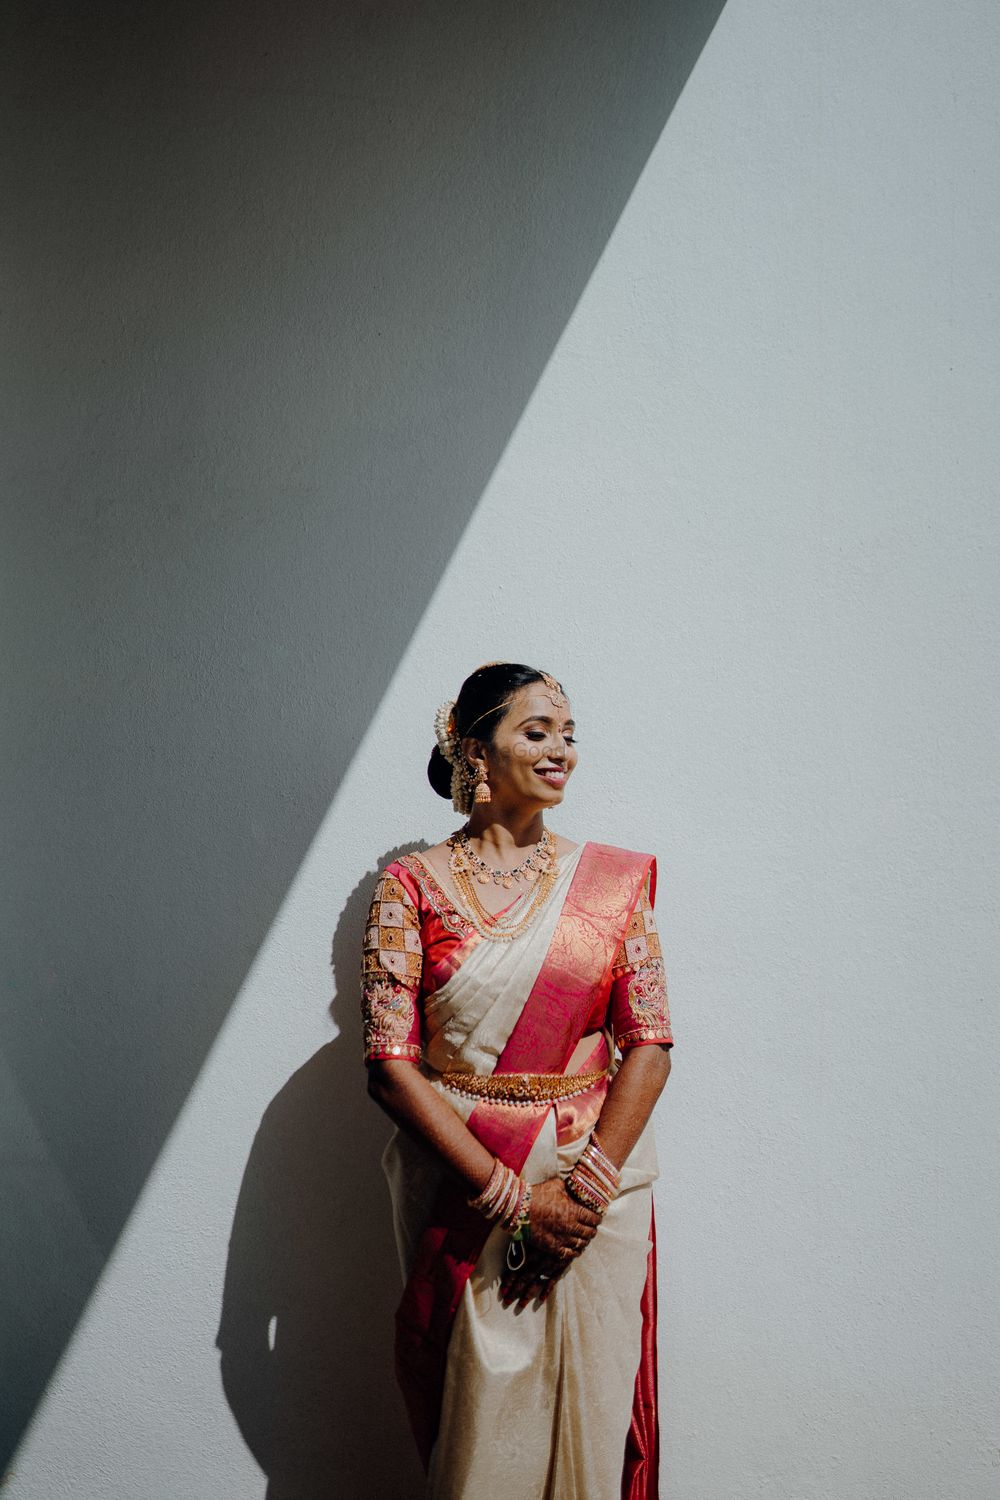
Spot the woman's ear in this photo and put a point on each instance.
(475, 752)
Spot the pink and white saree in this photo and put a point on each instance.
(558, 1400)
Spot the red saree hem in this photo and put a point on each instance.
(640, 1475)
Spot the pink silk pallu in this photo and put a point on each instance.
(577, 967)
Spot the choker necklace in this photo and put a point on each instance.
(529, 869)
(468, 871)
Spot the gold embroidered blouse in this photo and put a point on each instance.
(413, 931)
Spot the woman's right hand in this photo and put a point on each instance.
(561, 1229)
(560, 1226)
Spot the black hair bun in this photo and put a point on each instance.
(439, 773)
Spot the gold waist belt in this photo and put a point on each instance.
(521, 1088)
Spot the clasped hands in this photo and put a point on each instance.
(561, 1229)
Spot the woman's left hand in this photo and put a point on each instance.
(535, 1279)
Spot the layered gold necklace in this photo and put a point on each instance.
(468, 870)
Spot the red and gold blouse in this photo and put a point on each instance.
(412, 938)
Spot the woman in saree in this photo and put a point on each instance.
(517, 1032)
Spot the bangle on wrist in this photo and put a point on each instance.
(595, 1181)
(505, 1197)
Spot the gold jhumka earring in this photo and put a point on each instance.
(482, 792)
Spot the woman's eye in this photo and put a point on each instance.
(534, 734)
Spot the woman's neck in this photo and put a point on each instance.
(501, 837)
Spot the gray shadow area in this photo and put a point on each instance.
(312, 1278)
(279, 282)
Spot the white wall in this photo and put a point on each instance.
(748, 516)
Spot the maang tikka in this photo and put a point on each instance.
(555, 693)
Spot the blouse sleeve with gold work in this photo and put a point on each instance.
(639, 1010)
(391, 968)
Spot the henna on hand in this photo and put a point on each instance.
(561, 1229)
(558, 1222)
(534, 1280)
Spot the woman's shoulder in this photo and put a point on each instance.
(619, 851)
(415, 869)
(392, 868)
(412, 876)
(396, 879)
(419, 861)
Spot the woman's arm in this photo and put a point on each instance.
(631, 1096)
(407, 1098)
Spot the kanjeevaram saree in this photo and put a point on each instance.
(558, 1400)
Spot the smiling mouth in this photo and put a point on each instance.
(556, 778)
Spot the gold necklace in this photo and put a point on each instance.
(502, 927)
(538, 860)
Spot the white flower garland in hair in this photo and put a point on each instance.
(447, 743)
(444, 730)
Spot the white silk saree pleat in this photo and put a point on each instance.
(538, 1402)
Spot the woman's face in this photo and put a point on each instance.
(533, 751)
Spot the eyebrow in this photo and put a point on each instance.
(544, 719)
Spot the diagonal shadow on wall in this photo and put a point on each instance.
(306, 1331)
(283, 280)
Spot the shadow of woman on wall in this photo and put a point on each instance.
(312, 1279)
